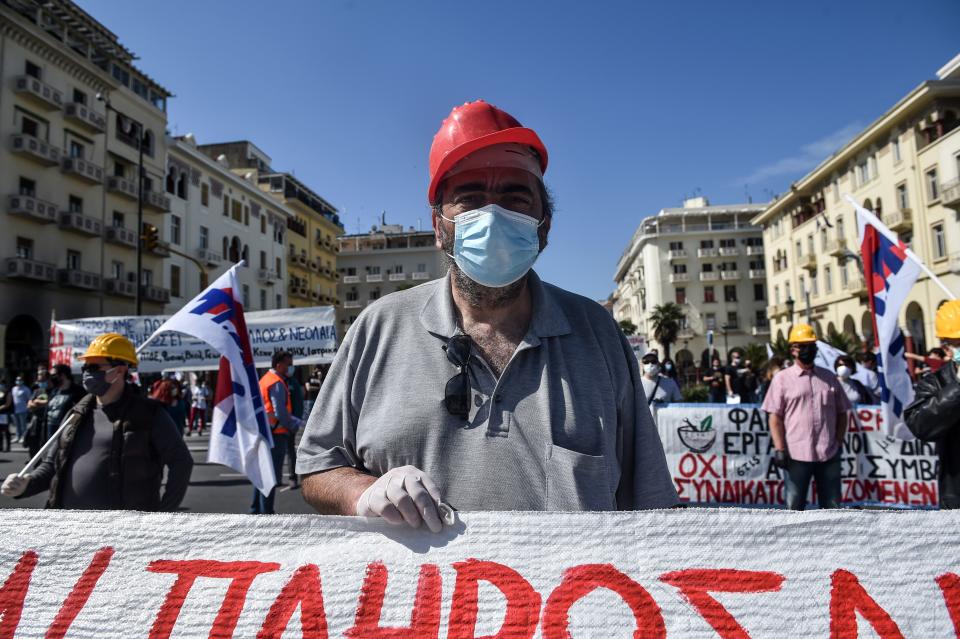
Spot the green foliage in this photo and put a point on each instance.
(849, 344)
(781, 348)
(757, 354)
(695, 393)
(628, 327)
(666, 320)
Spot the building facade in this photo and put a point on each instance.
(312, 228)
(707, 259)
(217, 218)
(385, 260)
(71, 100)
(906, 168)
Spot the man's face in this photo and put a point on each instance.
(951, 345)
(284, 365)
(115, 373)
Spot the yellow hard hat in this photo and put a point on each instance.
(948, 320)
(802, 334)
(112, 346)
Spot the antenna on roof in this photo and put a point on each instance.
(746, 191)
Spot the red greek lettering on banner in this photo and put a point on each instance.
(79, 595)
(303, 590)
(523, 602)
(13, 592)
(847, 598)
(950, 587)
(424, 620)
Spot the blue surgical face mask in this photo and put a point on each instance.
(956, 354)
(493, 246)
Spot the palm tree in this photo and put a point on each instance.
(757, 354)
(781, 347)
(628, 327)
(849, 344)
(666, 320)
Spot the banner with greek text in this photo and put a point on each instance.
(679, 573)
(722, 454)
(309, 333)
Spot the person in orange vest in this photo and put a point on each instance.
(283, 424)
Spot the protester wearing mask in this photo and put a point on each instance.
(112, 453)
(934, 414)
(488, 388)
(717, 384)
(199, 396)
(808, 418)
(63, 395)
(736, 382)
(275, 389)
(21, 395)
(855, 391)
(934, 360)
(867, 372)
(659, 389)
(36, 413)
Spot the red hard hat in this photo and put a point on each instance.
(471, 127)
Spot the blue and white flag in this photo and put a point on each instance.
(890, 270)
(239, 437)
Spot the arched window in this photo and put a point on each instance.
(226, 247)
(879, 209)
(182, 185)
(171, 180)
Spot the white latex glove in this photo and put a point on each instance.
(403, 495)
(14, 486)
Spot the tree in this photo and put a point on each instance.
(849, 344)
(628, 327)
(666, 320)
(757, 354)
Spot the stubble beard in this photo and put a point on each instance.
(475, 294)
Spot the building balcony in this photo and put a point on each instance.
(708, 252)
(678, 254)
(950, 194)
(35, 149)
(837, 247)
(760, 329)
(397, 277)
(120, 288)
(156, 294)
(27, 269)
(82, 169)
(80, 223)
(83, 280)
(351, 279)
(808, 262)
(730, 275)
(855, 286)
(710, 276)
(209, 257)
(156, 201)
(121, 236)
(300, 260)
(776, 310)
(685, 333)
(32, 208)
(266, 275)
(757, 273)
(900, 220)
(679, 277)
(420, 276)
(729, 251)
(84, 116)
(754, 250)
(353, 304)
(122, 186)
(39, 91)
(375, 277)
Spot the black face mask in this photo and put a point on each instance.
(806, 353)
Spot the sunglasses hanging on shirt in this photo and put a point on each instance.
(456, 396)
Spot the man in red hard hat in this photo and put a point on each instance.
(487, 389)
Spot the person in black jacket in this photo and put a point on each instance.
(934, 414)
(114, 446)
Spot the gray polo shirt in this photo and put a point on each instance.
(566, 427)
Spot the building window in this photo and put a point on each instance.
(175, 229)
(811, 249)
(75, 204)
(786, 290)
(708, 295)
(263, 300)
(823, 239)
(246, 216)
(31, 69)
(263, 260)
(844, 275)
(118, 219)
(839, 224)
(676, 246)
(237, 211)
(730, 293)
(939, 242)
(30, 124)
(246, 296)
(799, 246)
(682, 268)
(76, 150)
(728, 243)
(279, 300)
(732, 320)
(174, 280)
(25, 248)
(116, 270)
(681, 294)
(827, 280)
(204, 237)
(776, 294)
(933, 187)
(28, 187)
(374, 270)
(205, 194)
(421, 268)
(705, 268)
(710, 321)
(760, 319)
(226, 206)
(146, 278)
(73, 260)
(705, 244)
(277, 267)
(895, 145)
(263, 224)
(375, 294)
(759, 293)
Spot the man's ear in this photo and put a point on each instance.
(544, 231)
(436, 222)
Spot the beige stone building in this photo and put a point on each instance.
(709, 260)
(68, 175)
(905, 167)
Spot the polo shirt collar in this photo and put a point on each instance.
(439, 316)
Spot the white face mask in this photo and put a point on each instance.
(843, 372)
(651, 369)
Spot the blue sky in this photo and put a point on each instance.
(639, 103)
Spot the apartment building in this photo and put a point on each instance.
(905, 167)
(312, 228)
(217, 218)
(709, 260)
(382, 261)
(71, 106)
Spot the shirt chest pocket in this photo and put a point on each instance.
(828, 399)
(575, 481)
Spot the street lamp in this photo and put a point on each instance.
(140, 179)
(790, 305)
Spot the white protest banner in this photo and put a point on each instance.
(309, 333)
(722, 454)
(677, 573)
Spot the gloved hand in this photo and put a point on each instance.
(14, 485)
(781, 459)
(404, 494)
